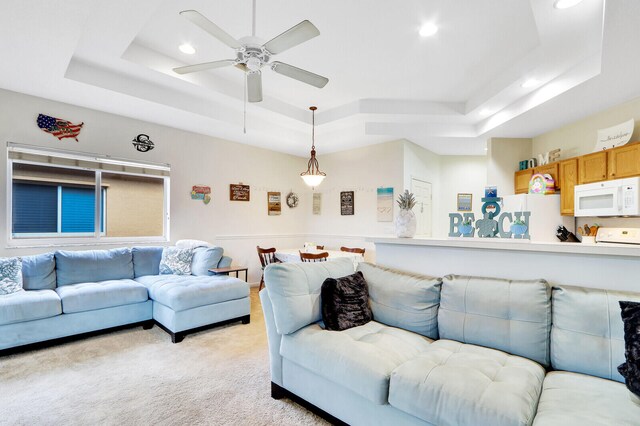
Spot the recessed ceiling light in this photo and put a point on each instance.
(530, 83)
(565, 4)
(428, 29)
(186, 48)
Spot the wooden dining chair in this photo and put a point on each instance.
(357, 250)
(267, 257)
(311, 257)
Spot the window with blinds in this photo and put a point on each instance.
(56, 194)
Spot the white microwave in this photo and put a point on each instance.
(609, 198)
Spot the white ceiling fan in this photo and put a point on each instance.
(252, 54)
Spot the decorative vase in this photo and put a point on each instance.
(466, 229)
(406, 224)
(518, 229)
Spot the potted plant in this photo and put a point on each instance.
(518, 227)
(466, 228)
(406, 220)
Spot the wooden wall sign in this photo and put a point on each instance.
(346, 203)
(239, 192)
(201, 192)
(274, 203)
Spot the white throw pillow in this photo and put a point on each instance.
(192, 244)
(10, 275)
(176, 261)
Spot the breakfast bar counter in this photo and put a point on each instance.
(604, 265)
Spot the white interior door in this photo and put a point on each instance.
(423, 209)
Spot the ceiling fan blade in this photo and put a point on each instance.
(204, 66)
(299, 74)
(198, 19)
(295, 35)
(254, 86)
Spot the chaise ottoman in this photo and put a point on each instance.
(188, 303)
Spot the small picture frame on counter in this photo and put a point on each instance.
(465, 202)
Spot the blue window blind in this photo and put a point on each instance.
(34, 208)
(78, 207)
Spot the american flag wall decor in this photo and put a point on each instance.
(59, 128)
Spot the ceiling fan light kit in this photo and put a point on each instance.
(252, 55)
(313, 176)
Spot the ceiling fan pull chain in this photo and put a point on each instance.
(253, 23)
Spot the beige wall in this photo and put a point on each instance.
(460, 174)
(504, 156)
(195, 159)
(361, 170)
(580, 137)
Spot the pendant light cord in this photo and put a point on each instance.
(253, 24)
(313, 129)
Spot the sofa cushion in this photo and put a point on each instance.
(99, 295)
(74, 267)
(588, 319)
(512, 316)
(205, 258)
(402, 299)
(571, 399)
(182, 292)
(10, 275)
(456, 384)
(176, 261)
(146, 260)
(294, 289)
(29, 305)
(360, 358)
(345, 302)
(39, 272)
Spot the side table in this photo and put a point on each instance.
(231, 269)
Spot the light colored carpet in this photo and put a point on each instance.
(137, 377)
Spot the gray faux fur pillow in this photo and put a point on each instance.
(345, 302)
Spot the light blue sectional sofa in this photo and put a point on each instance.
(449, 351)
(70, 293)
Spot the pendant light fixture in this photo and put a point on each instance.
(313, 176)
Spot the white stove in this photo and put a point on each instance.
(618, 235)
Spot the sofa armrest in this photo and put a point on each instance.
(225, 262)
(273, 338)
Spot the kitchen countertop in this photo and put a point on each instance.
(601, 249)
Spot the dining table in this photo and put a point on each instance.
(293, 255)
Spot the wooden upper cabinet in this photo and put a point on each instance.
(521, 181)
(624, 161)
(568, 180)
(550, 169)
(592, 167)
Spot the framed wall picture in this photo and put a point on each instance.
(346, 203)
(465, 202)
(274, 203)
(385, 204)
(317, 203)
(239, 192)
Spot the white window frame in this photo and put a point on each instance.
(97, 237)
